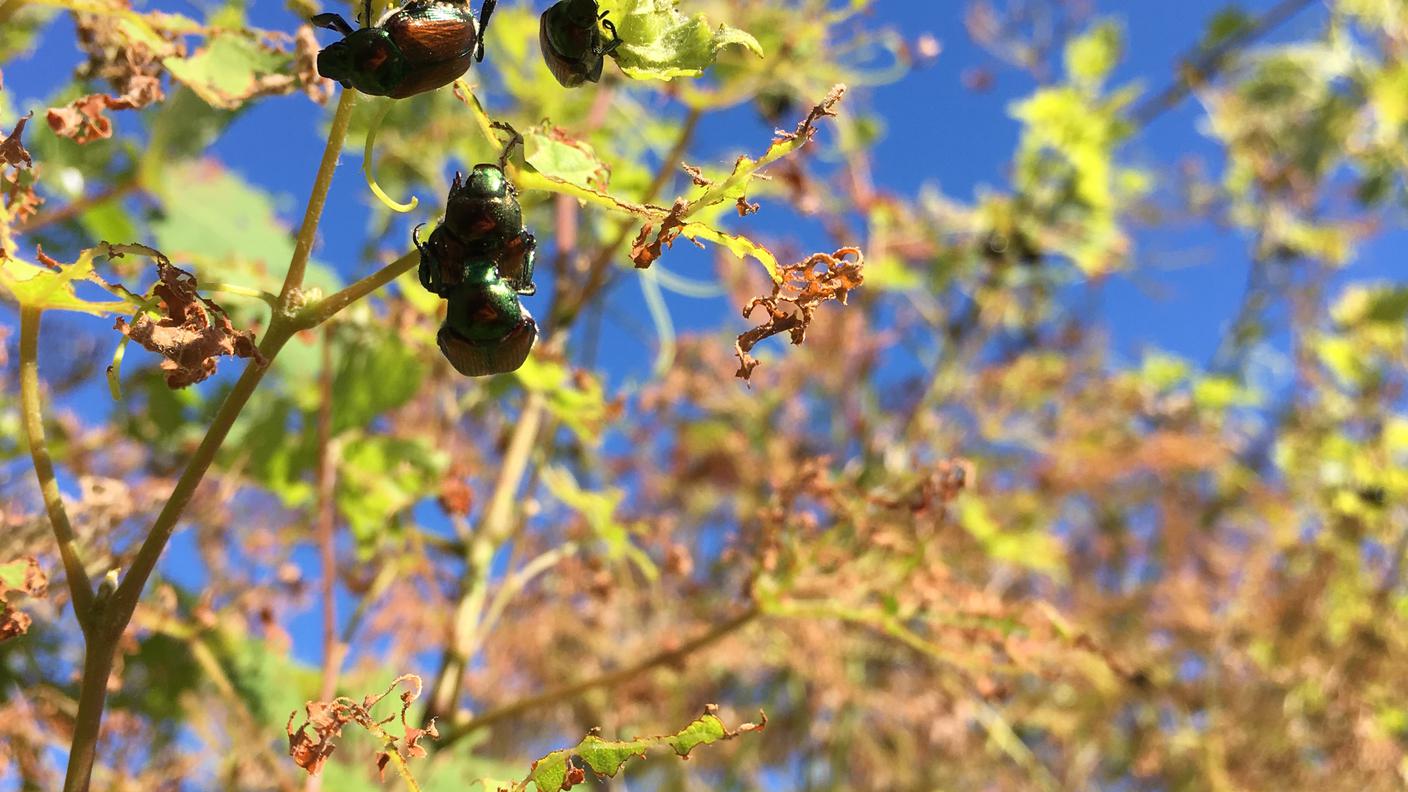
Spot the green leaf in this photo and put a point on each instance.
(33, 286)
(375, 373)
(555, 153)
(660, 43)
(1090, 57)
(231, 69)
(606, 757)
(599, 511)
(579, 403)
(378, 478)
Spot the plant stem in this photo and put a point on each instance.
(571, 690)
(78, 206)
(87, 724)
(308, 231)
(495, 528)
(1198, 68)
(598, 268)
(80, 588)
(328, 307)
(326, 523)
(110, 620)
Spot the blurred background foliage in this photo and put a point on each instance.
(958, 539)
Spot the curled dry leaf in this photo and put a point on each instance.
(133, 68)
(23, 577)
(794, 300)
(807, 128)
(82, 120)
(311, 743)
(644, 250)
(12, 151)
(305, 66)
(192, 331)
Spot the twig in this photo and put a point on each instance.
(598, 268)
(111, 615)
(77, 206)
(1199, 67)
(495, 528)
(327, 482)
(574, 689)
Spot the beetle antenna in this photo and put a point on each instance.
(485, 11)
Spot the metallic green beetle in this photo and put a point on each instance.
(480, 259)
(418, 47)
(572, 44)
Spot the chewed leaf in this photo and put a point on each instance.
(21, 577)
(51, 288)
(660, 43)
(561, 770)
(191, 332)
(232, 69)
(556, 154)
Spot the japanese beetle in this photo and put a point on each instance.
(486, 329)
(480, 259)
(482, 219)
(573, 47)
(418, 47)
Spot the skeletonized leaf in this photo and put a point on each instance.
(51, 288)
(564, 769)
(660, 43)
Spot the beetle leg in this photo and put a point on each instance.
(523, 284)
(485, 11)
(332, 22)
(429, 275)
(615, 37)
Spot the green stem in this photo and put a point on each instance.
(80, 588)
(495, 529)
(308, 231)
(328, 307)
(124, 600)
(109, 621)
(83, 749)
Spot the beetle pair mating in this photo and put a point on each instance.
(427, 44)
(480, 259)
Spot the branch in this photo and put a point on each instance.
(80, 588)
(574, 689)
(328, 307)
(1198, 68)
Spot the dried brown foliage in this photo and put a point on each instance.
(192, 331)
(791, 307)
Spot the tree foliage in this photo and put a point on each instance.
(952, 536)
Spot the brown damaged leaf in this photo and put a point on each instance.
(794, 300)
(807, 128)
(305, 66)
(311, 743)
(25, 578)
(82, 120)
(132, 68)
(12, 151)
(192, 331)
(645, 251)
